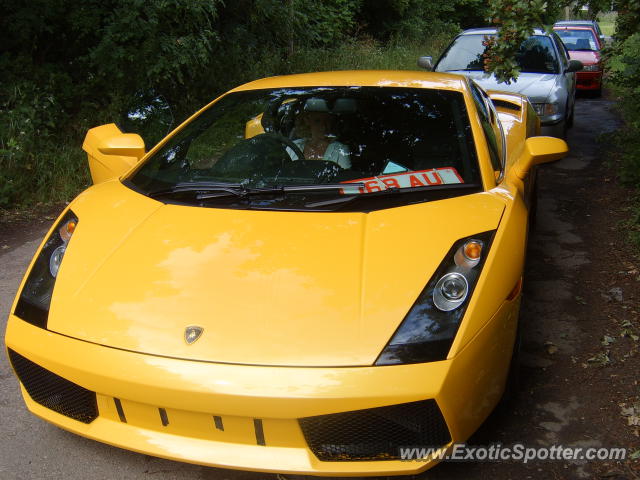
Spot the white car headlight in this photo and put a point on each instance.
(546, 109)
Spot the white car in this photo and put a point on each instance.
(547, 74)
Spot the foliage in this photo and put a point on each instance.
(70, 64)
(329, 22)
(623, 64)
(412, 19)
(628, 18)
(624, 75)
(516, 20)
(86, 49)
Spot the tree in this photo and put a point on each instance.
(516, 20)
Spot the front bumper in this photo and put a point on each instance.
(175, 408)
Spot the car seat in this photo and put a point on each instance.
(583, 44)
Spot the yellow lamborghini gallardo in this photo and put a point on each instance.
(308, 275)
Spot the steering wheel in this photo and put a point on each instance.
(286, 141)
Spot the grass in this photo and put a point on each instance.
(50, 172)
(607, 22)
(369, 55)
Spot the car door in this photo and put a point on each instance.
(568, 79)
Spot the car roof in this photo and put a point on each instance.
(373, 78)
(589, 23)
(575, 22)
(573, 27)
(492, 31)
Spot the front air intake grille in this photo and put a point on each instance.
(53, 391)
(375, 433)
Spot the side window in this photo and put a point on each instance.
(562, 52)
(598, 31)
(497, 129)
(490, 126)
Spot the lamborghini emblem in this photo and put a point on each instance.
(192, 333)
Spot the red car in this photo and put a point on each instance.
(583, 44)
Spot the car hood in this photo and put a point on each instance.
(536, 86)
(267, 287)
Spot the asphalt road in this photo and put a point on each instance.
(556, 404)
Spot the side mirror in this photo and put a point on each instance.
(426, 63)
(111, 152)
(539, 150)
(575, 66)
(124, 145)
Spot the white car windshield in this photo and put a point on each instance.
(536, 55)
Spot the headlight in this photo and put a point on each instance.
(428, 330)
(451, 290)
(546, 109)
(591, 68)
(35, 298)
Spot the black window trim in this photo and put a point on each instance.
(484, 97)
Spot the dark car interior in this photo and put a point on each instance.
(401, 129)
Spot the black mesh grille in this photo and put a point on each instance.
(53, 391)
(375, 433)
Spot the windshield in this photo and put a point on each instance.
(536, 55)
(578, 23)
(578, 39)
(254, 149)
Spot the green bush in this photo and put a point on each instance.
(624, 76)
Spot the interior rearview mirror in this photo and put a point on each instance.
(426, 62)
(539, 150)
(110, 152)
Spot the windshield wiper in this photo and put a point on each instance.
(348, 198)
(207, 190)
(435, 190)
(282, 189)
(227, 188)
